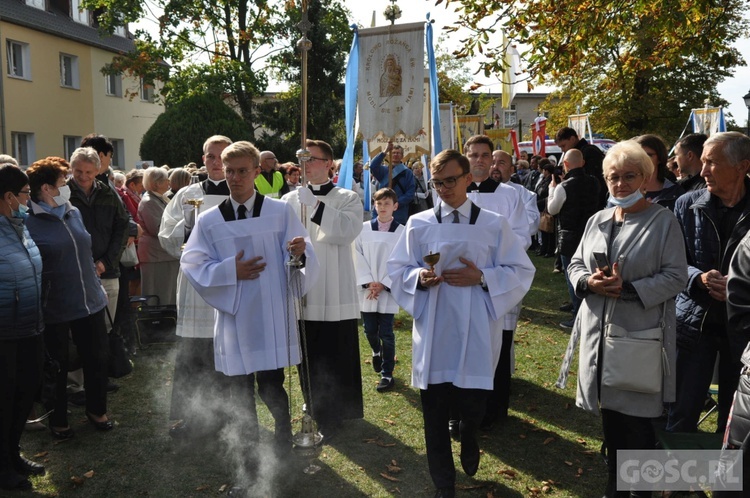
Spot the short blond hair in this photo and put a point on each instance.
(242, 149)
(628, 153)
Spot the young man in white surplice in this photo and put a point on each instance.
(458, 306)
(236, 259)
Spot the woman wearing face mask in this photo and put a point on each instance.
(628, 267)
(72, 295)
(21, 345)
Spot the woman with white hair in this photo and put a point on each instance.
(628, 268)
(158, 268)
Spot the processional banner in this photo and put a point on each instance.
(391, 80)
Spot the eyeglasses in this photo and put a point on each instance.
(241, 172)
(449, 182)
(627, 178)
(313, 158)
(25, 192)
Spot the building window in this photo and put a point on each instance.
(118, 154)
(23, 147)
(39, 4)
(69, 71)
(147, 91)
(510, 117)
(120, 31)
(114, 84)
(70, 144)
(544, 114)
(19, 59)
(78, 13)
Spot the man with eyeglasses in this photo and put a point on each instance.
(574, 201)
(194, 363)
(334, 219)
(458, 307)
(236, 259)
(270, 182)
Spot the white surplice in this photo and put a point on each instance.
(195, 318)
(334, 297)
(372, 249)
(256, 326)
(506, 201)
(457, 333)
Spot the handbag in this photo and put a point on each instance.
(634, 360)
(129, 256)
(546, 222)
(154, 323)
(119, 364)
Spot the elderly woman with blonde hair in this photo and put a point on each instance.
(628, 268)
(158, 268)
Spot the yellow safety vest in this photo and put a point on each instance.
(262, 185)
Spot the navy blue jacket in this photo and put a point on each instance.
(698, 218)
(70, 287)
(20, 282)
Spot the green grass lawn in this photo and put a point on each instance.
(548, 447)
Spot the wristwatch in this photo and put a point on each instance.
(481, 281)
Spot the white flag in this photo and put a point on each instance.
(391, 78)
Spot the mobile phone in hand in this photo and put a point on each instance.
(602, 263)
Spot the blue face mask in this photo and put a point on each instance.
(21, 211)
(627, 201)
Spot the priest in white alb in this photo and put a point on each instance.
(236, 258)
(482, 272)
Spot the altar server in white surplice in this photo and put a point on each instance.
(332, 306)
(458, 308)
(236, 259)
(199, 394)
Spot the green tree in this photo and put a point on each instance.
(213, 46)
(176, 137)
(642, 63)
(331, 39)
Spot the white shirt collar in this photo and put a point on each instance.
(464, 212)
(249, 204)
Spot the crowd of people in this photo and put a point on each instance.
(649, 246)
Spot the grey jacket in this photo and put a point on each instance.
(657, 269)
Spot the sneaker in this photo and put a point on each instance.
(567, 324)
(377, 363)
(566, 307)
(557, 270)
(385, 384)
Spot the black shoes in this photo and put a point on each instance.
(377, 363)
(26, 467)
(11, 480)
(62, 435)
(106, 425)
(112, 387)
(566, 307)
(469, 453)
(385, 384)
(568, 324)
(453, 430)
(447, 492)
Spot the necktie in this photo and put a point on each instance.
(455, 217)
(241, 212)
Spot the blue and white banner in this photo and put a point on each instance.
(391, 80)
(708, 120)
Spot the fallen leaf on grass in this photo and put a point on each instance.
(390, 478)
(223, 488)
(522, 436)
(203, 487)
(508, 473)
(569, 464)
(395, 490)
(385, 445)
(393, 469)
(41, 454)
(77, 481)
(394, 462)
(389, 421)
(89, 474)
(579, 472)
(548, 441)
(470, 486)
(581, 440)
(549, 482)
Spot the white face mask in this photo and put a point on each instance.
(63, 197)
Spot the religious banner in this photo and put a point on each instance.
(539, 136)
(501, 138)
(708, 120)
(447, 130)
(391, 80)
(514, 142)
(468, 126)
(580, 123)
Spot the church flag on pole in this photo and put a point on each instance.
(581, 124)
(514, 140)
(539, 136)
(708, 120)
(391, 80)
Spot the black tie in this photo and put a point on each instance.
(241, 212)
(455, 217)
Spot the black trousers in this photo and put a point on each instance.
(625, 432)
(498, 399)
(332, 353)
(21, 363)
(271, 391)
(437, 401)
(90, 337)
